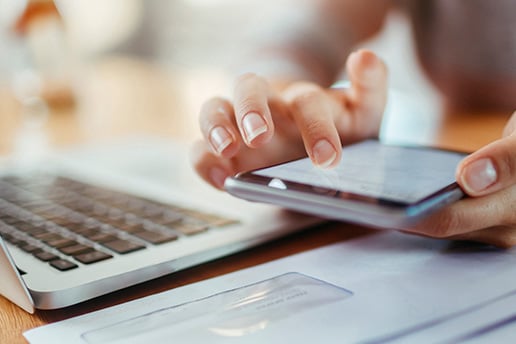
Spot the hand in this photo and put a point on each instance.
(264, 124)
(489, 215)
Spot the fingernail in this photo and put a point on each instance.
(369, 59)
(218, 177)
(220, 139)
(370, 66)
(479, 175)
(365, 63)
(254, 125)
(323, 153)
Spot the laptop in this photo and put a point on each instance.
(85, 222)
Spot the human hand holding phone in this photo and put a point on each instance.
(380, 185)
(296, 117)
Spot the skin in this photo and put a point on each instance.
(273, 118)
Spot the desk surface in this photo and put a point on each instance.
(122, 97)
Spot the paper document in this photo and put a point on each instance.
(380, 288)
(236, 313)
(489, 322)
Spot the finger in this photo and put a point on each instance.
(489, 169)
(469, 215)
(211, 168)
(500, 236)
(314, 111)
(252, 112)
(368, 92)
(218, 127)
(510, 127)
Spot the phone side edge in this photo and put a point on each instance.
(374, 215)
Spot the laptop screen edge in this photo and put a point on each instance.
(12, 287)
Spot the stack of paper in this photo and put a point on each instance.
(380, 288)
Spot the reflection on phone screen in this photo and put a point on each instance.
(396, 173)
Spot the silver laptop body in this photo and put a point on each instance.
(152, 170)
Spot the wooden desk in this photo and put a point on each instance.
(127, 97)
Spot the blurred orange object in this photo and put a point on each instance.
(42, 27)
(36, 10)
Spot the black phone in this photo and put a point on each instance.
(376, 184)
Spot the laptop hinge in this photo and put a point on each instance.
(12, 287)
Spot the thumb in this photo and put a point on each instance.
(510, 127)
(489, 169)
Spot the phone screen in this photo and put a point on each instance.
(369, 168)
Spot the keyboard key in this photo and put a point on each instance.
(45, 256)
(167, 218)
(84, 231)
(29, 248)
(10, 220)
(190, 228)
(131, 227)
(76, 249)
(92, 257)
(16, 241)
(101, 237)
(48, 236)
(155, 237)
(123, 246)
(30, 229)
(213, 220)
(6, 236)
(63, 265)
(60, 243)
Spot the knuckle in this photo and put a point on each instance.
(306, 98)
(214, 109)
(506, 208)
(503, 155)
(445, 226)
(245, 78)
(441, 232)
(508, 162)
(302, 93)
(509, 240)
(248, 104)
(499, 236)
(314, 127)
(214, 103)
(505, 241)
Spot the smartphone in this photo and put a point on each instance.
(375, 184)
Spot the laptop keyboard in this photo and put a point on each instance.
(67, 223)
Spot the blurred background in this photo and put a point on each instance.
(164, 56)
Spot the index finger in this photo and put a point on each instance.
(252, 112)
